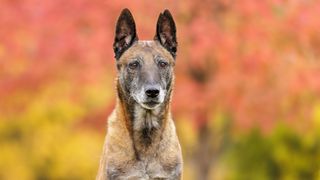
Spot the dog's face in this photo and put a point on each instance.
(145, 68)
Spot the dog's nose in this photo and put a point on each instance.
(152, 92)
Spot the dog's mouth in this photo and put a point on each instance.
(150, 104)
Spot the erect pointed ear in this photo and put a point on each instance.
(125, 34)
(166, 32)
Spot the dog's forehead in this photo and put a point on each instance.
(146, 43)
(147, 50)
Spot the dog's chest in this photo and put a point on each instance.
(151, 159)
(146, 132)
(147, 169)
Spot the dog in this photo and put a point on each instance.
(141, 140)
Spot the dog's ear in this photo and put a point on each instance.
(125, 34)
(166, 32)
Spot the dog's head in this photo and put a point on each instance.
(145, 68)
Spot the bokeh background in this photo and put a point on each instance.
(246, 101)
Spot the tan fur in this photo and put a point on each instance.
(144, 49)
(162, 159)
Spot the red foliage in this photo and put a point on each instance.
(249, 59)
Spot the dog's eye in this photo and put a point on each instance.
(163, 64)
(133, 65)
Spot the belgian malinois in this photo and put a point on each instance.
(141, 140)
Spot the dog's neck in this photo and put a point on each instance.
(148, 119)
(145, 126)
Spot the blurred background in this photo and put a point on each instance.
(246, 100)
